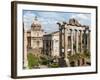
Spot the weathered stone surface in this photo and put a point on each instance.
(74, 22)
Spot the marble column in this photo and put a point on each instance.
(61, 29)
(84, 39)
(81, 37)
(66, 42)
(88, 40)
(60, 41)
(66, 46)
(77, 41)
(71, 42)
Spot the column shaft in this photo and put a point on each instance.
(88, 40)
(65, 42)
(71, 42)
(66, 46)
(60, 41)
(81, 37)
(77, 41)
(84, 38)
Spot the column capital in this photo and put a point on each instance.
(71, 29)
(76, 30)
(84, 30)
(89, 30)
(81, 31)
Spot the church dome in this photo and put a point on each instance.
(36, 24)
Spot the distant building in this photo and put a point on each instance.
(51, 44)
(35, 38)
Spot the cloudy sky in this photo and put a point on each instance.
(49, 19)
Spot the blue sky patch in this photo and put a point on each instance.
(49, 19)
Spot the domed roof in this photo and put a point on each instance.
(36, 24)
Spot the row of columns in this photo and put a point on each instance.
(82, 36)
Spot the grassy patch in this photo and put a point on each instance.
(32, 61)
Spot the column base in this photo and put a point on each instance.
(67, 62)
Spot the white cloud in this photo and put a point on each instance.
(49, 25)
(81, 16)
(28, 18)
(49, 19)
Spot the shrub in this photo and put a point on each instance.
(45, 60)
(32, 61)
(87, 54)
(72, 63)
(54, 65)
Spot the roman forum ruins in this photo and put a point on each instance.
(72, 38)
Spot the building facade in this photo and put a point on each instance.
(35, 38)
(51, 44)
